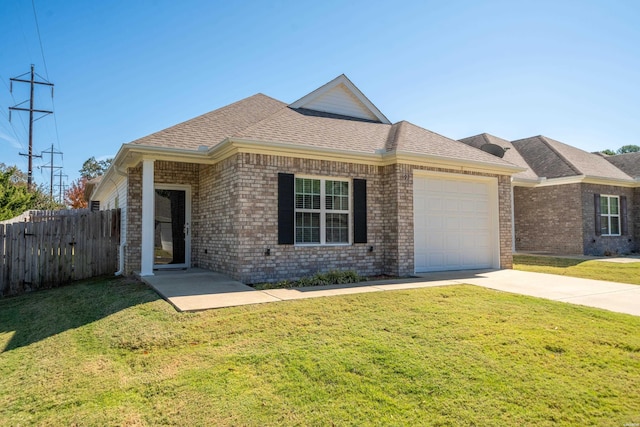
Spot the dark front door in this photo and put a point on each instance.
(171, 228)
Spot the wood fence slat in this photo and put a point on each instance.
(3, 263)
(66, 249)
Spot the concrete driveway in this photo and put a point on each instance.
(619, 297)
(198, 289)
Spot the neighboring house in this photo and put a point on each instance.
(262, 190)
(569, 201)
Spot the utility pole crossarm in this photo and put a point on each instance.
(29, 81)
(34, 110)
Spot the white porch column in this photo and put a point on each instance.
(148, 214)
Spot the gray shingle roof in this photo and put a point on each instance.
(212, 128)
(414, 139)
(262, 118)
(322, 130)
(629, 163)
(553, 159)
(511, 155)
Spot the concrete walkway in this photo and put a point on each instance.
(197, 289)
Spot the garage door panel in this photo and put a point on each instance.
(454, 224)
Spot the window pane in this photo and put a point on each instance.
(604, 227)
(337, 195)
(604, 205)
(307, 227)
(613, 205)
(307, 193)
(337, 228)
(615, 225)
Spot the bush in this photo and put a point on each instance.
(333, 277)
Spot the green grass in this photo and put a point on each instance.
(599, 270)
(109, 352)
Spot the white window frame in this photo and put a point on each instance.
(323, 211)
(609, 216)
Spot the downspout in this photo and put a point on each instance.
(123, 242)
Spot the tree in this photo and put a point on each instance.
(92, 168)
(608, 152)
(74, 195)
(628, 149)
(15, 197)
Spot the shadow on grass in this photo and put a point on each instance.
(546, 261)
(41, 314)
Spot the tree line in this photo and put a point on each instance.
(16, 198)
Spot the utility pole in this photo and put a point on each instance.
(61, 187)
(52, 167)
(31, 110)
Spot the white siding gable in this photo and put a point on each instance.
(340, 100)
(340, 96)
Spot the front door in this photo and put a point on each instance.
(171, 227)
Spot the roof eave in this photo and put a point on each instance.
(462, 164)
(588, 179)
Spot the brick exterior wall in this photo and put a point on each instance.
(257, 196)
(134, 221)
(548, 219)
(560, 219)
(635, 215)
(607, 245)
(234, 218)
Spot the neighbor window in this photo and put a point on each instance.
(322, 211)
(610, 215)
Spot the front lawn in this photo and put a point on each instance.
(110, 352)
(598, 270)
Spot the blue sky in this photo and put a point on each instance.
(569, 70)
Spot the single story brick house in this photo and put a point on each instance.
(262, 190)
(569, 201)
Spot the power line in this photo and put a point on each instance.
(46, 71)
(35, 17)
(24, 126)
(61, 188)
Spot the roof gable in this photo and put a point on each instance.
(553, 159)
(340, 96)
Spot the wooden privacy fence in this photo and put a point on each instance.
(52, 248)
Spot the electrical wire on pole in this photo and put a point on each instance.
(52, 168)
(32, 82)
(61, 187)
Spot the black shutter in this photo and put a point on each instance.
(623, 216)
(286, 211)
(359, 211)
(596, 206)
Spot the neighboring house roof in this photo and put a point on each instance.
(552, 159)
(89, 185)
(511, 154)
(629, 163)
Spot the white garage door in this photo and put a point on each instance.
(455, 223)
